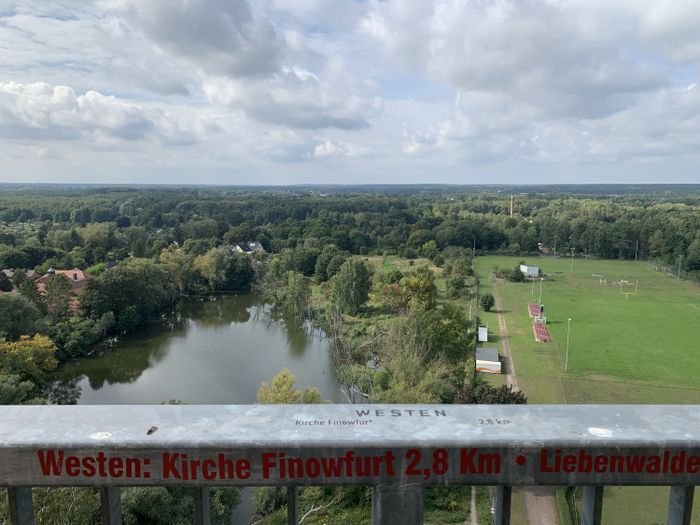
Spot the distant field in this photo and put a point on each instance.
(643, 349)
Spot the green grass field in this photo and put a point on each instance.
(643, 349)
(640, 349)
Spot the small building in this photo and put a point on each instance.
(483, 334)
(76, 277)
(487, 361)
(249, 247)
(530, 271)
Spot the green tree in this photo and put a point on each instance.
(58, 296)
(483, 393)
(692, 261)
(430, 249)
(174, 505)
(179, 265)
(351, 285)
(75, 336)
(323, 260)
(487, 302)
(96, 269)
(281, 391)
(420, 286)
(5, 283)
(296, 296)
(456, 285)
(29, 357)
(18, 316)
(15, 391)
(224, 270)
(133, 291)
(29, 290)
(18, 277)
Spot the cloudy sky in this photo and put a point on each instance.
(316, 91)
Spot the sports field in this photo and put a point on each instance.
(643, 348)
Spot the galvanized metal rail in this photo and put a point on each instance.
(396, 449)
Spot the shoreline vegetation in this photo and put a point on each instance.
(388, 278)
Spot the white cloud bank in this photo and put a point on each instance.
(388, 89)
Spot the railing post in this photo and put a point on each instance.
(202, 512)
(111, 506)
(291, 505)
(502, 510)
(397, 505)
(680, 505)
(21, 505)
(592, 505)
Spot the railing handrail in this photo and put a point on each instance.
(454, 444)
(396, 449)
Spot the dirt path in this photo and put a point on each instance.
(540, 501)
(472, 507)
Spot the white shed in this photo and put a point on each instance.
(530, 271)
(483, 334)
(487, 361)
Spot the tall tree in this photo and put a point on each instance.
(58, 297)
(18, 316)
(351, 285)
(179, 264)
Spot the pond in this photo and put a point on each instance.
(213, 350)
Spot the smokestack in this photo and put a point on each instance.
(511, 205)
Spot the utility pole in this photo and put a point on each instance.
(540, 299)
(572, 260)
(568, 334)
(636, 250)
(555, 245)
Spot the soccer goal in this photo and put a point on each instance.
(628, 288)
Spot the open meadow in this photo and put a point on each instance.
(641, 348)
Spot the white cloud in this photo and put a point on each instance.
(391, 87)
(39, 110)
(298, 98)
(566, 58)
(222, 37)
(330, 148)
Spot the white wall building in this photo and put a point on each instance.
(530, 271)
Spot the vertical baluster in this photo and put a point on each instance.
(502, 509)
(592, 505)
(680, 505)
(21, 506)
(111, 506)
(397, 505)
(202, 511)
(291, 505)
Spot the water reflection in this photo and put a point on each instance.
(211, 350)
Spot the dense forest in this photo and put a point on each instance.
(305, 250)
(41, 226)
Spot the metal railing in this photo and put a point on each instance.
(396, 449)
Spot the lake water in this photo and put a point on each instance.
(215, 350)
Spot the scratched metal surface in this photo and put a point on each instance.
(246, 431)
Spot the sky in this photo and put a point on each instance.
(350, 91)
